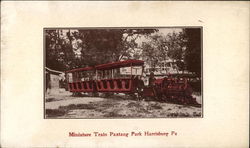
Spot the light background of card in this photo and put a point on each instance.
(225, 57)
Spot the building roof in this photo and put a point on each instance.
(53, 71)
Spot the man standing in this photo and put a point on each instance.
(151, 79)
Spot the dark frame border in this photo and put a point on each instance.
(154, 27)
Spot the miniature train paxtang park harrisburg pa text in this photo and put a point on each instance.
(121, 134)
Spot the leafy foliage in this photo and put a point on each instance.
(160, 48)
(90, 47)
(67, 49)
(193, 51)
(183, 47)
(59, 54)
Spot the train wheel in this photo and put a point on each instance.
(159, 96)
(139, 94)
(171, 99)
(77, 94)
(108, 95)
(96, 94)
(164, 98)
(180, 100)
(188, 100)
(132, 96)
(183, 99)
(93, 94)
(193, 101)
(168, 98)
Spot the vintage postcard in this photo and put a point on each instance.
(124, 74)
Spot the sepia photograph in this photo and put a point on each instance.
(102, 73)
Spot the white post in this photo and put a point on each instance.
(112, 74)
(131, 70)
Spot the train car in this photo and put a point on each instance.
(108, 78)
(81, 80)
(104, 78)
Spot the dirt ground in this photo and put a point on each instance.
(61, 104)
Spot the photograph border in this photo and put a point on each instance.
(147, 27)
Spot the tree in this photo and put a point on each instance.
(59, 54)
(53, 50)
(109, 45)
(176, 43)
(161, 47)
(88, 47)
(193, 51)
(154, 51)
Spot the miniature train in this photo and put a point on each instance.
(107, 78)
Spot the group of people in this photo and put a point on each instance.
(140, 80)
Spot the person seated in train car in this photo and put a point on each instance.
(80, 76)
(99, 75)
(91, 76)
(116, 74)
(102, 75)
(105, 74)
(83, 76)
(110, 74)
(95, 77)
